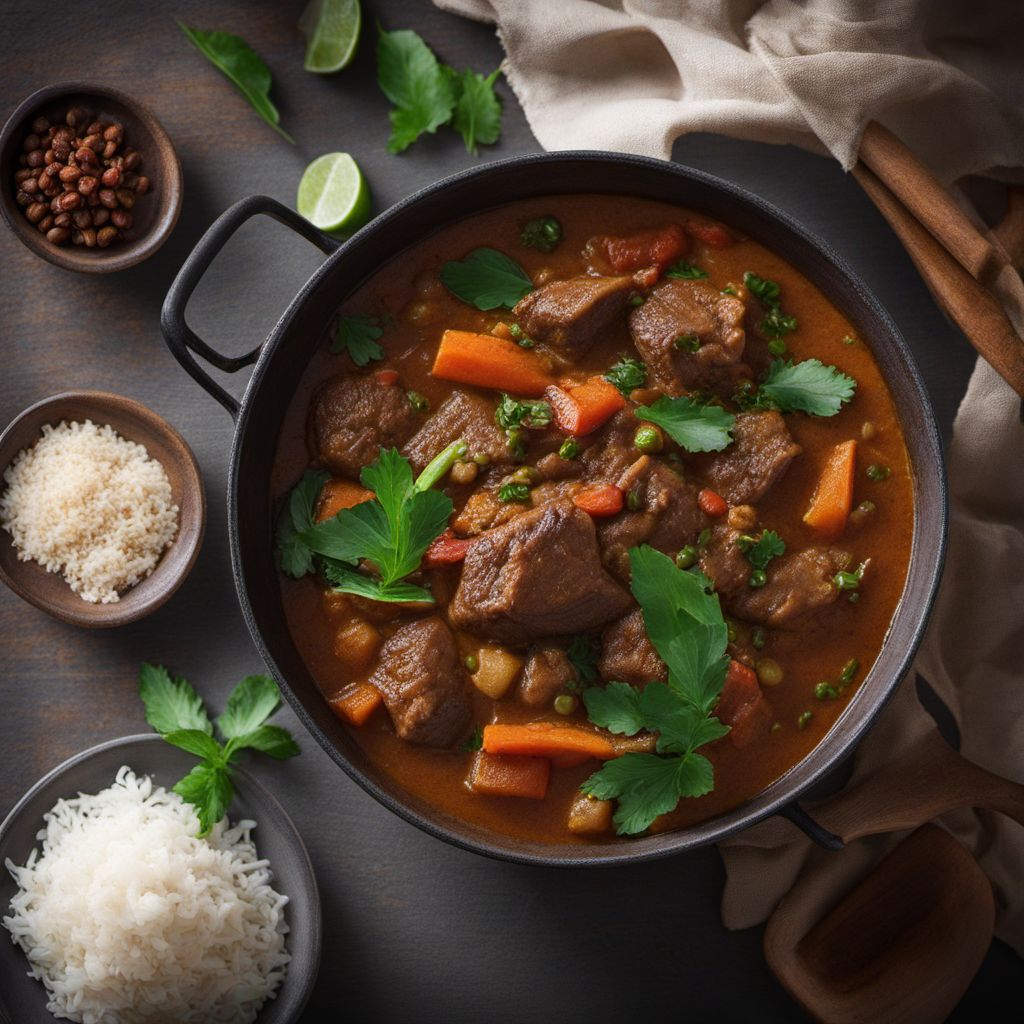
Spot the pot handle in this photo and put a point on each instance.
(183, 342)
(814, 831)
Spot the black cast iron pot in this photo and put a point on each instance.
(281, 359)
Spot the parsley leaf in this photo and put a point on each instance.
(411, 77)
(296, 516)
(176, 711)
(808, 386)
(521, 412)
(685, 624)
(357, 335)
(686, 271)
(477, 116)
(171, 704)
(583, 653)
(761, 551)
(627, 375)
(487, 279)
(474, 742)
(392, 531)
(776, 324)
(692, 425)
(236, 59)
(542, 233)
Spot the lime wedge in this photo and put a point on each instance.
(333, 194)
(331, 28)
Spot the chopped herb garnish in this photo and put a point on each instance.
(475, 741)
(878, 473)
(522, 412)
(636, 300)
(687, 343)
(777, 347)
(357, 335)
(542, 233)
(759, 551)
(775, 323)
(296, 516)
(569, 448)
(826, 691)
(808, 386)
(695, 427)
(175, 710)
(487, 279)
(849, 670)
(583, 653)
(803, 719)
(757, 638)
(514, 492)
(627, 375)
(519, 337)
(729, 290)
(685, 624)
(419, 402)
(686, 271)
(849, 339)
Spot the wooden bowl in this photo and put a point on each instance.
(133, 421)
(155, 214)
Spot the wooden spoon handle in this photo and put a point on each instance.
(933, 207)
(1009, 232)
(973, 307)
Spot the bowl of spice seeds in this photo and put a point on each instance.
(89, 179)
(102, 510)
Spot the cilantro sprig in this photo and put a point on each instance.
(522, 412)
(487, 279)
(686, 271)
(627, 375)
(176, 711)
(685, 624)
(759, 551)
(808, 386)
(357, 335)
(583, 653)
(691, 424)
(775, 324)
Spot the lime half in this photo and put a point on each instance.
(331, 28)
(333, 194)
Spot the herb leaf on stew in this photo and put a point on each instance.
(627, 375)
(176, 711)
(775, 324)
(357, 335)
(235, 58)
(686, 271)
(583, 653)
(521, 412)
(487, 279)
(477, 115)
(541, 233)
(685, 624)
(761, 551)
(296, 516)
(691, 424)
(808, 386)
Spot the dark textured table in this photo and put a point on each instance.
(414, 929)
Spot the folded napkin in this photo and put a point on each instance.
(633, 75)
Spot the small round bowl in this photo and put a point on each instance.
(134, 422)
(155, 214)
(24, 999)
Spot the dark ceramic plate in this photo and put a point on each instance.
(23, 1000)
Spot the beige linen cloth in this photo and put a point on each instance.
(948, 79)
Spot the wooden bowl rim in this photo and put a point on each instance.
(119, 613)
(170, 185)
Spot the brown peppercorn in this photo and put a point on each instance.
(100, 215)
(76, 238)
(93, 141)
(82, 219)
(58, 236)
(111, 177)
(35, 158)
(125, 197)
(61, 133)
(35, 212)
(89, 238)
(109, 149)
(95, 128)
(46, 223)
(108, 198)
(30, 185)
(22, 198)
(93, 199)
(31, 142)
(76, 117)
(40, 125)
(142, 185)
(105, 236)
(49, 157)
(85, 157)
(87, 184)
(113, 132)
(23, 175)
(132, 160)
(121, 219)
(70, 174)
(62, 220)
(68, 202)
(61, 150)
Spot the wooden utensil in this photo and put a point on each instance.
(901, 947)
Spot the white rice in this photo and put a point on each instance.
(125, 916)
(88, 503)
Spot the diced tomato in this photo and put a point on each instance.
(582, 409)
(715, 236)
(659, 248)
(600, 500)
(712, 504)
(742, 705)
(386, 376)
(446, 550)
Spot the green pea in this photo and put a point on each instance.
(566, 703)
(637, 300)
(730, 631)
(648, 439)
(570, 448)
(525, 475)
(777, 347)
(769, 672)
(878, 473)
(687, 557)
(482, 459)
(472, 662)
(825, 691)
(805, 717)
(758, 578)
(849, 670)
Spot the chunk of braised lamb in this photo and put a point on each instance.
(538, 575)
(612, 451)
(571, 314)
(424, 684)
(460, 416)
(760, 454)
(667, 517)
(553, 467)
(742, 706)
(690, 335)
(352, 418)
(627, 654)
(723, 561)
(546, 674)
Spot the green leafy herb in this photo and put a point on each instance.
(686, 271)
(775, 324)
(516, 412)
(487, 279)
(627, 375)
(583, 653)
(759, 552)
(514, 492)
(693, 426)
(685, 624)
(542, 233)
(687, 343)
(233, 56)
(419, 403)
(175, 710)
(569, 448)
(477, 116)
(296, 516)
(474, 742)
(808, 386)
(357, 335)
(392, 532)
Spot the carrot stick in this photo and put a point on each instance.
(582, 409)
(541, 739)
(356, 703)
(337, 494)
(833, 497)
(498, 775)
(600, 500)
(490, 362)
